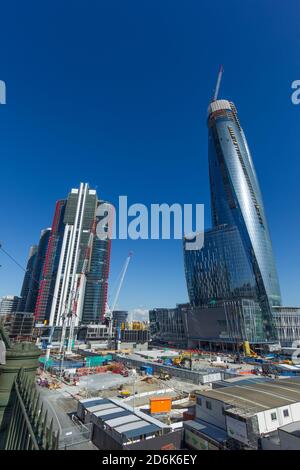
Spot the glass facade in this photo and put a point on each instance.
(48, 278)
(221, 270)
(287, 324)
(237, 260)
(75, 274)
(33, 277)
(166, 325)
(27, 281)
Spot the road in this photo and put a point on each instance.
(59, 406)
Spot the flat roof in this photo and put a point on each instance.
(90, 402)
(148, 429)
(107, 411)
(137, 428)
(257, 397)
(291, 428)
(101, 406)
(215, 433)
(240, 380)
(121, 420)
(114, 414)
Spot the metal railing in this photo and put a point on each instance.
(29, 427)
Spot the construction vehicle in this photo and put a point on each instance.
(183, 359)
(164, 376)
(248, 351)
(124, 394)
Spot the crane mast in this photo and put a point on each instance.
(109, 314)
(217, 89)
(71, 308)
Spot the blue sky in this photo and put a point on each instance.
(115, 94)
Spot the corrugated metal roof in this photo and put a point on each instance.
(115, 414)
(259, 396)
(121, 420)
(86, 400)
(136, 425)
(96, 408)
(112, 409)
(89, 403)
(149, 429)
(209, 430)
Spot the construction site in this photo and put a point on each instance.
(160, 384)
(108, 386)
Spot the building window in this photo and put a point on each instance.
(208, 405)
(273, 416)
(286, 413)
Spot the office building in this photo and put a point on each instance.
(167, 326)
(287, 324)
(75, 274)
(33, 275)
(49, 273)
(8, 304)
(237, 260)
(218, 325)
(27, 278)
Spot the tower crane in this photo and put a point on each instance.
(72, 305)
(109, 314)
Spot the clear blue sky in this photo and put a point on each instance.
(115, 93)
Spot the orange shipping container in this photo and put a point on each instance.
(160, 405)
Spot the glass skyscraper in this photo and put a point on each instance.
(76, 269)
(34, 273)
(237, 260)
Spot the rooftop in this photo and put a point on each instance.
(209, 430)
(292, 428)
(250, 399)
(121, 419)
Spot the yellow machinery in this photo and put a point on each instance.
(247, 350)
(124, 393)
(177, 360)
(133, 325)
(184, 356)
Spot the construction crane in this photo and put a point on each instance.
(109, 314)
(216, 93)
(70, 313)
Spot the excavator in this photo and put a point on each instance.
(183, 358)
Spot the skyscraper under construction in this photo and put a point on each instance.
(75, 274)
(237, 260)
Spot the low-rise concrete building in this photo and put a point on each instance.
(247, 413)
(285, 438)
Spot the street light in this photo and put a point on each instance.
(134, 375)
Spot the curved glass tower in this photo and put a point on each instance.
(237, 259)
(236, 197)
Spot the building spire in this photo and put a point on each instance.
(215, 97)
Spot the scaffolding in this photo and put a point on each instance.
(287, 324)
